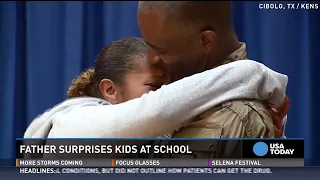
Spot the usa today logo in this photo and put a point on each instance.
(261, 149)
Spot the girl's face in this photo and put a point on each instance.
(144, 78)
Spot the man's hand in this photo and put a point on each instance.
(278, 116)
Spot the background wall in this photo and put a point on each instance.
(44, 45)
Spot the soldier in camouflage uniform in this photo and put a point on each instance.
(187, 37)
(232, 119)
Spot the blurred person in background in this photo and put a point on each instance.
(124, 96)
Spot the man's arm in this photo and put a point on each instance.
(233, 119)
(173, 105)
(254, 122)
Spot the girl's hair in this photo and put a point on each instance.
(82, 85)
(112, 63)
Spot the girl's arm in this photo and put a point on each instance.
(173, 105)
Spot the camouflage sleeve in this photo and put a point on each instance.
(250, 119)
(233, 119)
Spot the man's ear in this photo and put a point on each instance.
(208, 41)
(109, 91)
